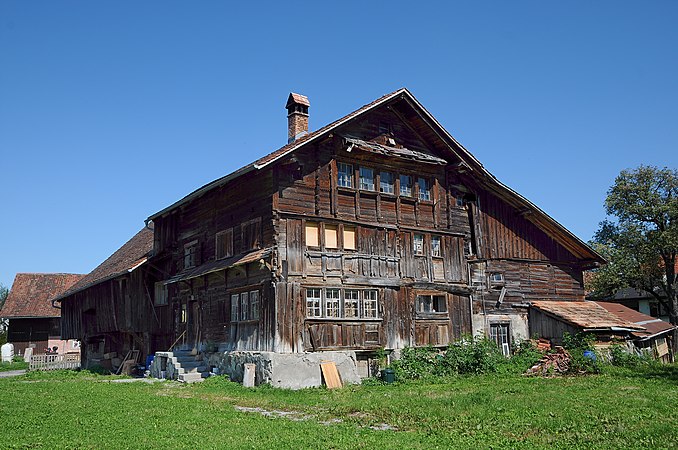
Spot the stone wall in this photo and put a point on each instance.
(286, 370)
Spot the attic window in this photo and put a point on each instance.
(191, 254)
(497, 278)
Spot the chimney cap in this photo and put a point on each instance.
(297, 99)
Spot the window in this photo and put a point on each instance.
(349, 238)
(499, 333)
(160, 294)
(332, 303)
(313, 302)
(424, 189)
(370, 304)
(224, 244)
(418, 244)
(496, 278)
(460, 200)
(345, 175)
(235, 299)
(191, 254)
(312, 234)
(244, 303)
(435, 246)
(351, 302)
(386, 182)
(183, 313)
(342, 303)
(251, 234)
(366, 179)
(331, 236)
(406, 185)
(245, 306)
(431, 304)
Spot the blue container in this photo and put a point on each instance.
(149, 360)
(590, 355)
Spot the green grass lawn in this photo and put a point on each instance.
(616, 409)
(16, 364)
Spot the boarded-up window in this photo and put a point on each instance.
(349, 238)
(160, 294)
(251, 234)
(224, 244)
(331, 236)
(312, 235)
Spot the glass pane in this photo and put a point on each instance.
(406, 185)
(386, 182)
(344, 175)
(350, 303)
(332, 303)
(366, 179)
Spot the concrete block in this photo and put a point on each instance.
(249, 375)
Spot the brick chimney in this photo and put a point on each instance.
(297, 116)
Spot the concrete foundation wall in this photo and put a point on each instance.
(286, 370)
(518, 324)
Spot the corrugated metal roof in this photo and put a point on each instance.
(652, 325)
(585, 314)
(31, 294)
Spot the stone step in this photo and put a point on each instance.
(193, 377)
(196, 369)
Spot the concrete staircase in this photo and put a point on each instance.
(188, 368)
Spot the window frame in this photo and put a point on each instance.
(496, 332)
(161, 295)
(418, 244)
(425, 193)
(219, 241)
(407, 190)
(321, 305)
(431, 308)
(365, 185)
(390, 185)
(345, 175)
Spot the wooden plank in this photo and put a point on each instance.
(330, 374)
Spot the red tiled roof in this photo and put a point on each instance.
(652, 325)
(297, 98)
(31, 294)
(587, 315)
(133, 253)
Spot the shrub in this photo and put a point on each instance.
(622, 358)
(583, 357)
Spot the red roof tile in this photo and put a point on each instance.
(31, 294)
(584, 314)
(133, 253)
(652, 325)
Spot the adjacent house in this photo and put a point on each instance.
(379, 230)
(33, 320)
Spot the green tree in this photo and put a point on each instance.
(640, 239)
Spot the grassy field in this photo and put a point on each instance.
(616, 409)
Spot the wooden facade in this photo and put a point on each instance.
(377, 231)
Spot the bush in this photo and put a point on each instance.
(621, 358)
(469, 356)
(583, 357)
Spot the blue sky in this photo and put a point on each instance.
(111, 111)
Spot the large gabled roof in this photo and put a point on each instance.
(31, 294)
(533, 213)
(127, 258)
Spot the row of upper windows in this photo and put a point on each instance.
(369, 179)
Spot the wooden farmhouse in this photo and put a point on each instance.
(33, 322)
(377, 231)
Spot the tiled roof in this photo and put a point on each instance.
(133, 253)
(221, 264)
(652, 325)
(588, 315)
(297, 98)
(31, 294)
